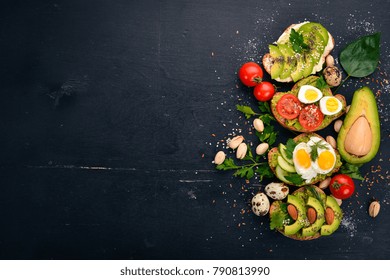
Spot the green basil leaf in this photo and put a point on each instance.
(360, 58)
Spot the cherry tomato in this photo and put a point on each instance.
(250, 74)
(342, 186)
(288, 106)
(311, 117)
(264, 91)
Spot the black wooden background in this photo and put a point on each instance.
(112, 111)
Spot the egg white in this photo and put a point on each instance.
(323, 108)
(306, 173)
(313, 140)
(302, 91)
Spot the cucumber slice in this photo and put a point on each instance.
(280, 173)
(282, 150)
(285, 165)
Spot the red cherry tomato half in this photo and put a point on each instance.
(250, 74)
(289, 106)
(311, 117)
(342, 186)
(264, 91)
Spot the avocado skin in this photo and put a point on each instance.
(363, 103)
(302, 218)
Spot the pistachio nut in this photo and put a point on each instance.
(338, 200)
(374, 208)
(337, 125)
(324, 184)
(241, 151)
(258, 125)
(219, 158)
(236, 141)
(262, 148)
(331, 141)
(329, 60)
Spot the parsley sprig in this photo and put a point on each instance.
(269, 135)
(351, 170)
(249, 169)
(297, 42)
(315, 147)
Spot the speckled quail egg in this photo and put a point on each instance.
(277, 191)
(308, 94)
(330, 105)
(260, 204)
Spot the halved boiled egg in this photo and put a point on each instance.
(308, 94)
(302, 162)
(326, 156)
(330, 105)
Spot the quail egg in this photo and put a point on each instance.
(260, 204)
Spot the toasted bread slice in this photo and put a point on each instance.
(268, 61)
(274, 206)
(275, 151)
(311, 80)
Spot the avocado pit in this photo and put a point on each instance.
(358, 140)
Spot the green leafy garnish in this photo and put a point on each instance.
(247, 111)
(264, 107)
(351, 170)
(316, 195)
(268, 135)
(280, 217)
(277, 220)
(264, 171)
(295, 179)
(290, 146)
(321, 83)
(267, 118)
(248, 170)
(314, 151)
(360, 58)
(297, 42)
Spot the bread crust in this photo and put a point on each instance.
(296, 237)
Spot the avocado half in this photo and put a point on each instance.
(359, 137)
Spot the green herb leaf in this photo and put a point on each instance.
(268, 135)
(321, 83)
(297, 42)
(246, 110)
(316, 195)
(290, 146)
(228, 164)
(264, 107)
(314, 149)
(360, 58)
(277, 220)
(264, 171)
(295, 179)
(245, 172)
(351, 170)
(267, 118)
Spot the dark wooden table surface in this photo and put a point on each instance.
(112, 111)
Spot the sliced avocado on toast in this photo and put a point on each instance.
(297, 65)
(302, 199)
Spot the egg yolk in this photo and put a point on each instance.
(332, 105)
(303, 158)
(326, 160)
(311, 94)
